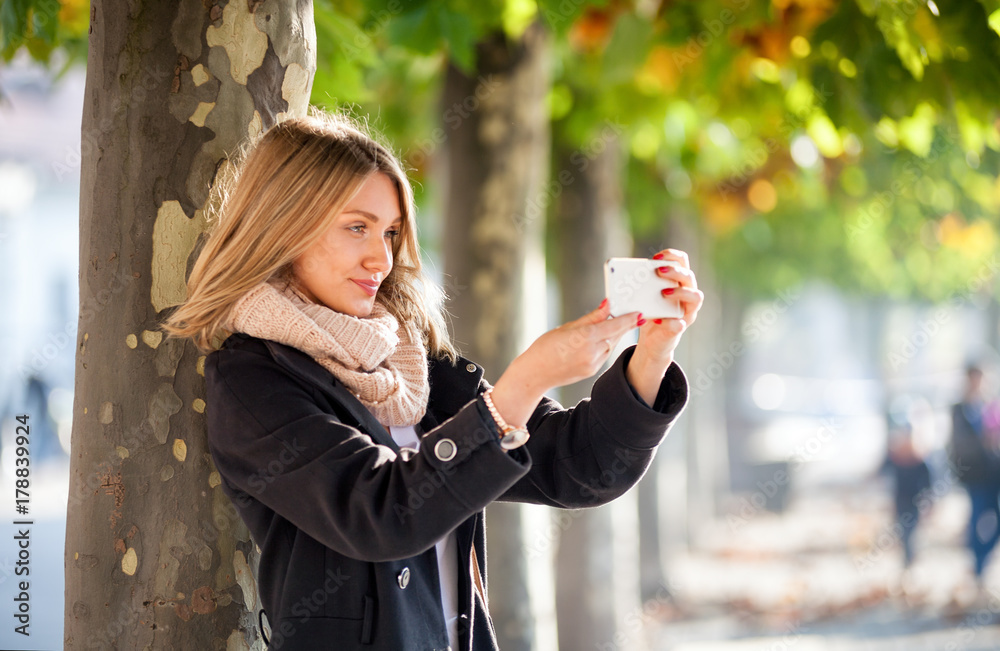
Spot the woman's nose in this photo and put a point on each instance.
(380, 255)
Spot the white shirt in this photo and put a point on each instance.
(446, 548)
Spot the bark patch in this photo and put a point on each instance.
(162, 405)
(240, 38)
(244, 577)
(203, 600)
(174, 238)
(130, 562)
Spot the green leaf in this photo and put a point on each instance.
(517, 16)
(13, 24)
(994, 21)
(427, 28)
(338, 35)
(339, 82)
(45, 20)
(627, 49)
(416, 29)
(460, 34)
(559, 15)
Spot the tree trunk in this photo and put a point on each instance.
(702, 355)
(497, 158)
(156, 555)
(661, 495)
(993, 324)
(596, 568)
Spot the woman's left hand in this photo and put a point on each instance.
(658, 338)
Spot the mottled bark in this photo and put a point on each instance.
(156, 555)
(596, 577)
(589, 227)
(993, 324)
(703, 425)
(653, 582)
(661, 493)
(497, 156)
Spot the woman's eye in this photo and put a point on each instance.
(357, 228)
(391, 234)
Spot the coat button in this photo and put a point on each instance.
(445, 450)
(404, 578)
(470, 367)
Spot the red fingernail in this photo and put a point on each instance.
(603, 303)
(663, 270)
(658, 256)
(657, 321)
(641, 320)
(668, 291)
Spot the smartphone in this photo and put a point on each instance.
(632, 285)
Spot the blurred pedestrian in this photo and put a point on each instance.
(975, 462)
(910, 477)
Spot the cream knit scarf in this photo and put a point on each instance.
(383, 364)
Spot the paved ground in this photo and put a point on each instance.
(44, 559)
(826, 575)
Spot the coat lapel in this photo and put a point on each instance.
(309, 369)
(451, 388)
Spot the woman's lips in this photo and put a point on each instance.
(370, 287)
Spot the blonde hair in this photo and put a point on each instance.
(290, 185)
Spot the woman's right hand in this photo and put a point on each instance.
(572, 352)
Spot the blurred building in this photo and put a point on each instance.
(40, 120)
(39, 208)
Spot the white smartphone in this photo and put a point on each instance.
(632, 285)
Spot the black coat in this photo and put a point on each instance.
(346, 523)
(972, 461)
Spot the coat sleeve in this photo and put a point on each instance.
(594, 452)
(277, 445)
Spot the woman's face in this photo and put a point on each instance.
(345, 267)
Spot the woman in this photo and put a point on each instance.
(359, 448)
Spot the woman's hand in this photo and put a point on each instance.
(572, 352)
(658, 338)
